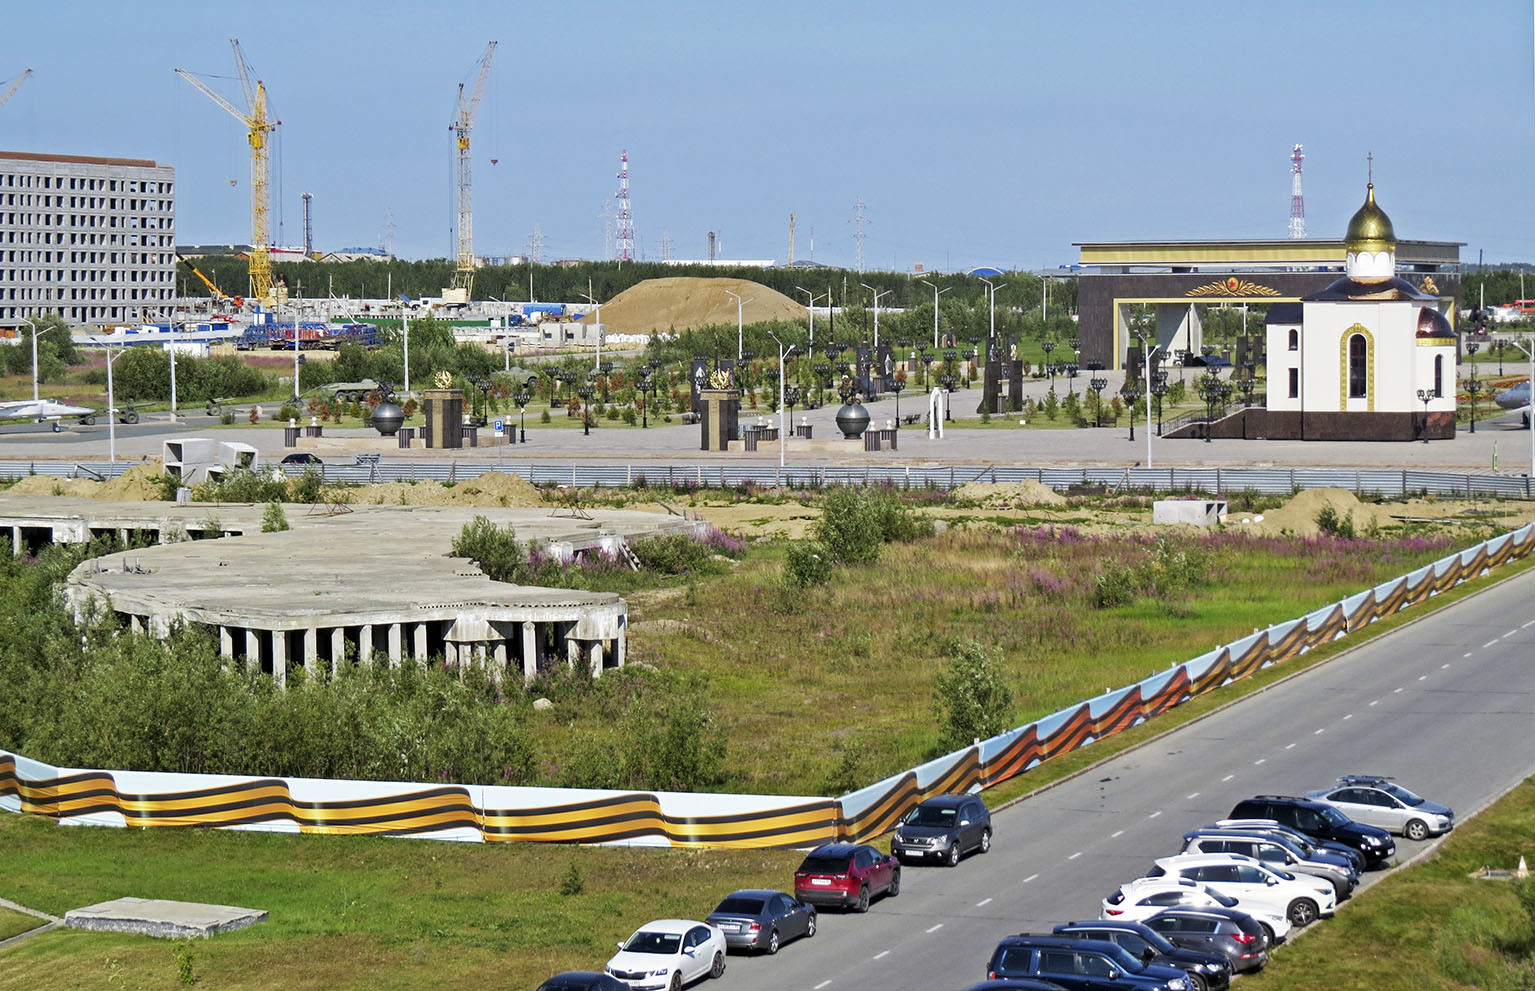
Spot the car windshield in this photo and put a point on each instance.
(1125, 958)
(824, 865)
(1225, 901)
(1392, 788)
(739, 906)
(1334, 817)
(649, 942)
(924, 815)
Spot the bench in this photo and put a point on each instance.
(911, 418)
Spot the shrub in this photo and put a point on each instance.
(808, 564)
(571, 882)
(1329, 522)
(274, 520)
(970, 697)
(496, 550)
(1113, 586)
(671, 554)
(850, 527)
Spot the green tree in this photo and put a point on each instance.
(970, 696)
(274, 520)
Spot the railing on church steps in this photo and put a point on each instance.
(1386, 482)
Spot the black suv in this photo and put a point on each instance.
(943, 828)
(1322, 821)
(1207, 970)
(1238, 936)
(1080, 964)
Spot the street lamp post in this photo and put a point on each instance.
(936, 293)
(822, 372)
(992, 324)
(1473, 387)
(1158, 389)
(1424, 395)
(36, 401)
(783, 423)
(740, 320)
(1047, 347)
(1097, 384)
(594, 301)
(585, 390)
(896, 387)
(1210, 392)
(645, 386)
(1127, 393)
(521, 399)
(947, 382)
(810, 309)
(111, 408)
(877, 294)
(606, 368)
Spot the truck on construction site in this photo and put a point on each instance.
(312, 335)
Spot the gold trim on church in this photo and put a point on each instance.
(1369, 367)
(1233, 286)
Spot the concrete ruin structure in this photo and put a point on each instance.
(372, 584)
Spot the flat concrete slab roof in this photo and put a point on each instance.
(162, 918)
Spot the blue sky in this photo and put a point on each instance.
(979, 133)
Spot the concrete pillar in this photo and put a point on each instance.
(226, 642)
(498, 657)
(572, 646)
(621, 645)
(365, 644)
(16, 545)
(596, 658)
(311, 649)
(252, 650)
(337, 648)
(450, 654)
(394, 647)
(280, 657)
(135, 624)
(529, 650)
(418, 643)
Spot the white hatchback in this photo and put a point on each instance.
(1144, 897)
(668, 953)
(1300, 898)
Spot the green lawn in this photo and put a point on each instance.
(12, 923)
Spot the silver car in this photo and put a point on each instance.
(1380, 801)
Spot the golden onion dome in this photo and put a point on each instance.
(1370, 228)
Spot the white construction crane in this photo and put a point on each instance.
(258, 128)
(15, 86)
(463, 123)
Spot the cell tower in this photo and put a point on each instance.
(858, 222)
(711, 245)
(625, 218)
(1297, 201)
(791, 238)
(308, 199)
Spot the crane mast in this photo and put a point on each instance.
(463, 123)
(258, 130)
(14, 87)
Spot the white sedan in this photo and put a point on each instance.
(1144, 897)
(668, 953)
(1300, 898)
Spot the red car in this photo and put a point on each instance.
(846, 875)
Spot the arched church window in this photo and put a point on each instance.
(1357, 365)
(1294, 339)
(1439, 375)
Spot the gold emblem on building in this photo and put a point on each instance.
(1428, 285)
(444, 380)
(720, 379)
(1233, 286)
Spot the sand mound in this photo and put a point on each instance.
(491, 489)
(682, 304)
(1006, 495)
(133, 485)
(1298, 516)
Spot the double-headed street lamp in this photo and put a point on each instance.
(645, 386)
(936, 293)
(896, 387)
(521, 399)
(740, 320)
(1097, 384)
(585, 390)
(811, 297)
(948, 382)
(1424, 395)
(877, 294)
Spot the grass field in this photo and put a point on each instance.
(12, 923)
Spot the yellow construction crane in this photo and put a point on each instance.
(15, 86)
(254, 117)
(463, 123)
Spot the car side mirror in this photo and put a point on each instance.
(620, 946)
(964, 822)
(1148, 954)
(691, 951)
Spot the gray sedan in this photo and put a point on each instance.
(762, 920)
(1380, 801)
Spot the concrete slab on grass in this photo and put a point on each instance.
(162, 918)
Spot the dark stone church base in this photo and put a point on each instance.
(1259, 424)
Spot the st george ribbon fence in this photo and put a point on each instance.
(480, 813)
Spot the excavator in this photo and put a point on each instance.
(219, 296)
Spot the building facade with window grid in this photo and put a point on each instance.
(92, 239)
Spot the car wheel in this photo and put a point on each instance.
(862, 904)
(718, 968)
(1303, 912)
(985, 841)
(88, 421)
(953, 857)
(1196, 982)
(1416, 829)
(1268, 931)
(810, 927)
(676, 981)
(56, 427)
(895, 884)
(772, 944)
(130, 417)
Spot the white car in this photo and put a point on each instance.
(668, 953)
(1300, 898)
(1141, 899)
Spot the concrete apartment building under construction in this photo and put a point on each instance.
(92, 239)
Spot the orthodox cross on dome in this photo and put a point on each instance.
(1370, 167)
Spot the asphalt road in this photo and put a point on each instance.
(1444, 704)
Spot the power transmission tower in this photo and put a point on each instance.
(389, 227)
(859, 221)
(666, 246)
(536, 246)
(308, 199)
(1297, 201)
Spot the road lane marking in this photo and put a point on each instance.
(1422, 677)
(1349, 716)
(882, 954)
(1509, 634)
(936, 928)
(1289, 746)
(1397, 692)
(1075, 855)
(1155, 814)
(1526, 626)
(1116, 834)
(1030, 878)
(1376, 702)
(1490, 643)
(1228, 777)
(823, 984)
(1260, 760)
(980, 904)
(1465, 655)
(1190, 796)
(1444, 667)
(1320, 731)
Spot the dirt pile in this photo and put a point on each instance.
(491, 489)
(1007, 495)
(133, 485)
(659, 305)
(1298, 516)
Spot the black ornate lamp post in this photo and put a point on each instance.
(1473, 387)
(1158, 390)
(822, 372)
(948, 382)
(1424, 395)
(1127, 393)
(606, 369)
(1210, 392)
(927, 364)
(521, 399)
(791, 396)
(1097, 385)
(585, 390)
(1071, 376)
(645, 385)
(1047, 347)
(897, 386)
